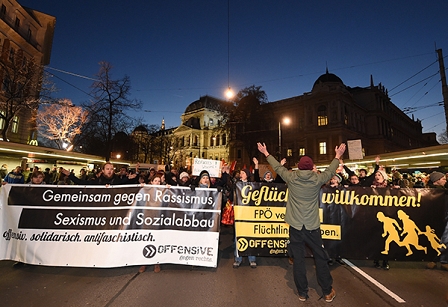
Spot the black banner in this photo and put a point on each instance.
(356, 223)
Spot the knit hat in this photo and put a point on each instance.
(383, 173)
(183, 174)
(247, 172)
(204, 173)
(435, 176)
(306, 163)
(339, 178)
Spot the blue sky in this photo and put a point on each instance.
(176, 51)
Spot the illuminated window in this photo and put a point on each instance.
(289, 152)
(323, 148)
(2, 120)
(15, 124)
(302, 151)
(322, 118)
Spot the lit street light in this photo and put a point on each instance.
(286, 121)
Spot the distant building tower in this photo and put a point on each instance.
(163, 124)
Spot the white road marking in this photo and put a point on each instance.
(374, 281)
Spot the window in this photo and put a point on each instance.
(217, 140)
(2, 121)
(289, 152)
(17, 23)
(323, 148)
(224, 139)
(212, 141)
(3, 10)
(15, 124)
(196, 141)
(322, 118)
(28, 35)
(302, 151)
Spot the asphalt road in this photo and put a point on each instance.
(270, 284)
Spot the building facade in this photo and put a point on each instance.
(202, 133)
(26, 38)
(330, 114)
(319, 120)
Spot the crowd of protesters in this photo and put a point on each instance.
(378, 177)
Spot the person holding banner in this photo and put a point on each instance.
(364, 180)
(302, 214)
(244, 177)
(107, 176)
(155, 180)
(438, 180)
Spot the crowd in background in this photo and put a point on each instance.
(182, 177)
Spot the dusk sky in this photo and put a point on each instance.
(176, 51)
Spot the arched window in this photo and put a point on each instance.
(217, 140)
(322, 118)
(212, 143)
(224, 139)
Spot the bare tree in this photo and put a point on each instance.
(61, 123)
(22, 84)
(246, 121)
(443, 137)
(106, 110)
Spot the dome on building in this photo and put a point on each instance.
(328, 81)
(205, 102)
(140, 129)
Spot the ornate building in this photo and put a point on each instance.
(201, 134)
(26, 36)
(319, 120)
(328, 115)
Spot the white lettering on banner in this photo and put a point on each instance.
(185, 221)
(79, 220)
(50, 195)
(183, 199)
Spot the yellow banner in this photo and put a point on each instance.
(252, 213)
(331, 232)
(261, 230)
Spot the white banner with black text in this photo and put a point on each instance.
(94, 226)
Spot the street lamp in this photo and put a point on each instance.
(286, 121)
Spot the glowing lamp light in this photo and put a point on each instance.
(229, 93)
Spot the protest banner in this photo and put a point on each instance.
(94, 226)
(356, 222)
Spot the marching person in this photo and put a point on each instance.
(302, 214)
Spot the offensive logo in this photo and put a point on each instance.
(149, 251)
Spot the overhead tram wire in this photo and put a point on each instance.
(249, 83)
(74, 86)
(72, 74)
(412, 76)
(414, 84)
